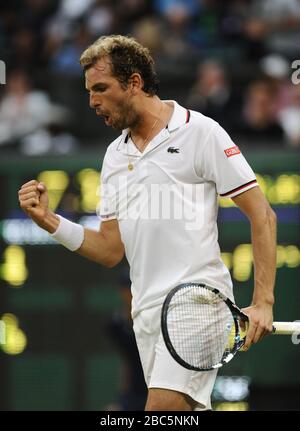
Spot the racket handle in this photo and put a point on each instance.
(286, 328)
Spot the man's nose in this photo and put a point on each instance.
(94, 102)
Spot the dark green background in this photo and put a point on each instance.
(70, 362)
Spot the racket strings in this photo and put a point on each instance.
(201, 327)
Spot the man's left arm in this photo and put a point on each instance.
(263, 232)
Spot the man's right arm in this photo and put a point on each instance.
(104, 246)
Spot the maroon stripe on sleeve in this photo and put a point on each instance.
(238, 188)
(107, 215)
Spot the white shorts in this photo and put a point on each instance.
(161, 370)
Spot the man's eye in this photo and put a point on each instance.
(97, 90)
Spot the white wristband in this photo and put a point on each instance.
(69, 234)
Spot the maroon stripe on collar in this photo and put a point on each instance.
(188, 116)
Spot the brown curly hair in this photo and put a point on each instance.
(127, 57)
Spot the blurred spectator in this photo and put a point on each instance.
(184, 7)
(24, 46)
(72, 28)
(276, 25)
(46, 37)
(206, 30)
(128, 13)
(65, 59)
(100, 18)
(290, 118)
(233, 15)
(177, 18)
(277, 70)
(148, 32)
(133, 390)
(24, 110)
(212, 94)
(54, 139)
(59, 29)
(23, 24)
(74, 9)
(258, 124)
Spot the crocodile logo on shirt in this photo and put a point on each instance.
(173, 150)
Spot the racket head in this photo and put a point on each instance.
(201, 327)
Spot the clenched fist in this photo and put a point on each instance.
(34, 201)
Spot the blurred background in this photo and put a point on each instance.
(66, 339)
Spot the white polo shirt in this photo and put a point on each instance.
(167, 205)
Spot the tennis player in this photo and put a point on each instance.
(160, 182)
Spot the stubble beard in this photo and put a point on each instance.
(125, 116)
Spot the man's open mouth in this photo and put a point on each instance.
(107, 119)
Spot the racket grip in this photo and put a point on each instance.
(286, 328)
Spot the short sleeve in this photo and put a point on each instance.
(107, 207)
(219, 160)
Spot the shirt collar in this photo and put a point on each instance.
(179, 117)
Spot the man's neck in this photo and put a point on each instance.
(155, 115)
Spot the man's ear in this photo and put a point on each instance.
(136, 83)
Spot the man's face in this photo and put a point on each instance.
(111, 100)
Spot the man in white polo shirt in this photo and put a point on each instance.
(160, 181)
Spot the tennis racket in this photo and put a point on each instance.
(203, 329)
